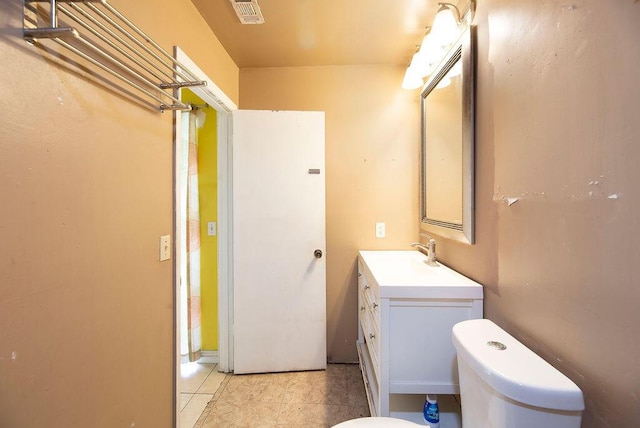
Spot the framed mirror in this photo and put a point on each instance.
(447, 167)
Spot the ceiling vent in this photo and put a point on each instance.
(248, 11)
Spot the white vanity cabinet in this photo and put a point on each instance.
(406, 312)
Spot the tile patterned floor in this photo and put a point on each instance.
(300, 399)
(199, 383)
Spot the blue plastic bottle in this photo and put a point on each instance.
(431, 412)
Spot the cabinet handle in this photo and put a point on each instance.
(375, 305)
(366, 286)
(372, 336)
(362, 308)
(359, 274)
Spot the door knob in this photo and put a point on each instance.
(317, 254)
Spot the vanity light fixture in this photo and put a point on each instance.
(436, 43)
(412, 76)
(445, 25)
(421, 64)
(430, 55)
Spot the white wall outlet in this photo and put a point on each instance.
(380, 230)
(212, 228)
(165, 247)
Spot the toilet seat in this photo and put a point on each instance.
(379, 422)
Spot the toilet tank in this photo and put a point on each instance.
(503, 384)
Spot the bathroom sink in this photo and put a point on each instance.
(406, 274)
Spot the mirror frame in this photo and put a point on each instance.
(463, 50)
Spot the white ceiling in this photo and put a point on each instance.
(321, 32)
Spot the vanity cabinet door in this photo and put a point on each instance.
(421, 353)
(369, 318)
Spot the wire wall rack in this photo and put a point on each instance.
(96, 32)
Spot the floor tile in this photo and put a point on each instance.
(329, 389)
(298, 399)
(248, 414)
(190, 414)
(317, 415)
(353, 372)
(184, 400)
(347, 412)
(355, 386)
(262, 388)
(212, 382)
(193, 375)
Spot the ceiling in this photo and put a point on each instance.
(321, 32)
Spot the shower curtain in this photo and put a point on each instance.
(190, 270)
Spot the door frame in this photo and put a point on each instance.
(217, 99)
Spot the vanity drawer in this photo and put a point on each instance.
(373, 306)
(364, 285)
(369, 316)
(368, 293)
(372, 309)
(371, 336)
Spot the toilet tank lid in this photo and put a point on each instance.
(515, 372)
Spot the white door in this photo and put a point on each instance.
(279, 241)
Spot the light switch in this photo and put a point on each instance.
(380, 230)
(211, 228)
(165, 247)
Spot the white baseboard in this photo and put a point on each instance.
(206, 357)
(209, 357)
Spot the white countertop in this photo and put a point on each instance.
(405, 274)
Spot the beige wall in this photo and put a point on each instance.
(86, 309)
(557, 127)
(372, 146)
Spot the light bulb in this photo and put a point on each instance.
(411, 79)
(430, 55)
(420, 64)
(445, 27)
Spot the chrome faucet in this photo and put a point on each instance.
(429, 249)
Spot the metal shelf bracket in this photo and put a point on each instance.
(96, 32)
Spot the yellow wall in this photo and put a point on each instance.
(208, 191)
(86, 308)
(208, 186)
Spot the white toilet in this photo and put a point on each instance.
(503, 384)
